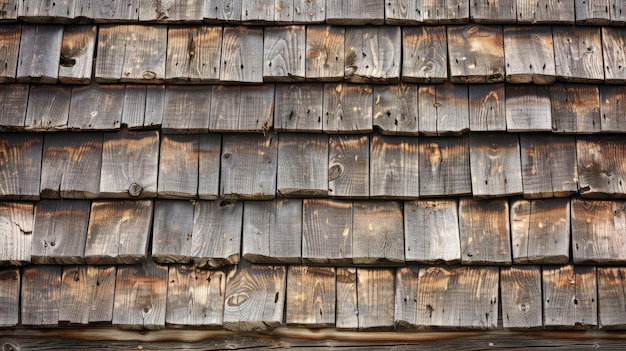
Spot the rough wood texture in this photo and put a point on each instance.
(347, 108)
(601, 170)
(612, 100)
(77, 50)
(597, 227)
(424, 54)
(487, 107)
(394, 168)
(439, 12)
(592, 12)
(223, 11)
(254, 110)
(520, 289)
(311, 296)
(355, 12)
(347, 313)
(48, 107)
(540, 231)
(444, 166)
(87, 294)
(372, 54)
(299, 160)
(249, 166)
(618, 12)
(611, 298)
(548, 165)
(545, 11)
(476, 54)
(95, 106)
(298, 107)
(39, 55)
(495, 164)
(8, 10)
(377, 233)
(46, 11)
(131, 53)
(500, 11)
(284, 54)
(613, 43)
(195, 297)
(405, 313)
(528, 108)
(140, 296)
(348, 166)
(173, 231)
(41, 293)
(578, 54)
(60, 232)
(118, 232)
(134, 111)
(193, 54)
(239, 46)
(529, 54)
(155, 99)
(107, 11)
(431, 231)
(569, 297)
(178, 166)
(375, 298)
(255, 297)
(458, 297)
(10, 281)
(171, 11)
(327, 232)
(443, 109)
(21, 166)
(71, 165)
(129, 164)
(325, 53)
(395, 109)
(485, 231)
(13, 108)
(9, 46)
(406, 12)
(209, 153)
(257, 11)
(16, 228)
(216, 238)
(575, 108)
(272, 231)
(305, 11)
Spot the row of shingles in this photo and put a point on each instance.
(331, 11)
(205, 54)
(259, 297)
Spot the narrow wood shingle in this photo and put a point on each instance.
(9, 43)
(443, 109)
(10, 281)
(601, 170)
(327, 232)
(613, 43)
(355, 12)
(40, 52)
(520, 288)
(495, 164)
(298, 107)
(239, 45)
(405, 314)
(21, 161)
(311, 296)
(394, 171)
(77, 53)
(575, 108)
(16, 229)
(529, 54)
(241, 108)
(41, 295)
(48, 107)
(545, 11)
(299, 160)
(349, 166)
(444, 167)
(611, 299)
(377, 233)
(597, 229)
(528, 108)
(347, 108)
(487, 107)
(96, 107)
(45, 11)
(171, 11)
(172, 231)
(13, 109)
(178, 166)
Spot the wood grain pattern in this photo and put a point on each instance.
(592, 12)
(96, 106)
(540, 231)
(305, 11)
(129, 164)
(529, 54)
(346, 307)
(77, 53)
(407, 12)
(570, 297)
(255, 297)
(253, 112)
(193, 54)
(575, 108)
(372, 54)
(545, 11)
(444, 166)
(405, 314)
(578, 54)
(284, 54)
(458, 297)
(298, 107)
(209, 154)
(87, 294)
(424, 54)
(223, 11)
(521, 297)
(614, 54)
(348, 166)
(500, 11)
(257, 11)
(20, 156)
(106, 11)
(272, 231)
(140, 296)
(394, 168)
(375, 298)
(325, 55)
(495, 164)
(171, 11)
(395, 109)
(155, 98)
(249, 166)
(216, 238)
(431, 231)
(8, 10)
(443, 109)
(40, 50)
(445, 11)
(617, 10)
(239, 46)
(487, 107)
(16, 224)
(548, 165)
(347, 108)
(178, 167)
(172, 231)
(118, 232)
(601, 171)
(60, 232)
(485, 231)
(195, 297)
(71, 164)
(41, 292)
(612, 100)
(284, 11)
(611, 297)
(46, 11)
(476, 54)
(13, 109)
(10, 281)
(377, 233)
(48, 107)
(327, 232)
(10, 35)
(134, 111)
(528, 108)
(355, 12)
(311, 296)
(299, 160)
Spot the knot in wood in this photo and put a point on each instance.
(9, 347)
(135, 190)
(148, 75)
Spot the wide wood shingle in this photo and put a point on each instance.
(395, 109)
(529, 60)
(601, 170)
(21, 166)
(444, 167)
(216, 238)
(193, 54)
(575, 108)
(424, 54)
(87, 294)
(77, 51)
(241, 108)
(284, 54)
(347, 108)
(327, 232)
(325, 55)
(578, 54)
(298, 107)
(377, 233)
(487, 107)
(96, 106)
(310, 296)
(476, 54)
(301, 165)
(495, 164)
(355, 12)
(40, 52)
(46, 11)
(443, 109)
(172, 231)
(48, 107)
(372, 54)
(239, 44)
(485, 231)
(570, 296)
(349, 166)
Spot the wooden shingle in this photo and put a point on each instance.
(578, 54)
(40, 52)
(186, 109)
(305, 11)
(575, 108)
(48, 107)
(9, 44)
(529, 60)
(209, 154)
(327, 232)
(394, 168)
(444, 166)
(493, 11)
(495, 164)
(178, 166)
(126, 11)
(594, 12)
(13, 108)
(310, 296)
(445, 11)
(8, 11)
(171, 11)
(77, 50)
(618, 12)
(223, 11)
(301, 161)
(377, 233)
(443, 109)
(487, 107)
(87, 294)
(611, 297)
(372, 54)
(395, 109)
(612, 100)
(405, 314)
(347, 108)
(257, 11)
(134, 110)
(528, 108)
(601, 170)
(346, 308)
(545, 11)
(10, 281)
(325, 53)
(96, 107)
(46, 11)
(613, 43)
(424, 54)
(485, 231)
(16, 228)
(298, 107)
(241, 108)
(349, 166)
(41, 295)
(520, 288)
(284, 54)
(569, 297)
(355, 12)
(193, 54)
(172, 231)
(216, 238)
(476, 54)
(403, 12)
(239, 46)
(21, 166)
